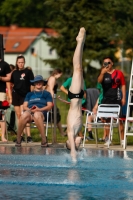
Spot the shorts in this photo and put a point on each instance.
(77, 96)
(2, 96)
(110, 101)
(17, 99)
(44, 114)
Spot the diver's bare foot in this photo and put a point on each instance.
(81, 35)
(74, 157)
(3, 139)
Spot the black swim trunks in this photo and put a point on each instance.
(78, 96)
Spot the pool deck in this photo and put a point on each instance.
(62, 146)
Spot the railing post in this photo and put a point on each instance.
(55, 121)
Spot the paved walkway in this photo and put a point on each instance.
(62, 145)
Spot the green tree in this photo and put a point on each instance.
(67, 17)
(108, 25)
(122, 22)
(24, 13)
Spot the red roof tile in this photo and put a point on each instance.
(50, 32)
(17, 39)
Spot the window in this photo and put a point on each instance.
(16, 45)
(50, 51)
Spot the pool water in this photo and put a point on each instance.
(37, 173)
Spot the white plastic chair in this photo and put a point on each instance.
(46, 125)
(105, 111)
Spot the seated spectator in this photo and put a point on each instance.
(92, 95)
(51, 87)
(5, 75)
(36, 105)
(113, 84)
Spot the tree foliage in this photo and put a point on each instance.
(25, 13)
(67, 17)
(108, 26)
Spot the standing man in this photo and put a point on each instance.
(5, 76)
(113, 83)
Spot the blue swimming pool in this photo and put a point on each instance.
(36, 173)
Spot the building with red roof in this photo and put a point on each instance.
(29, 42)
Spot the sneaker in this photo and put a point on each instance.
(107, 142)
(89, 138)
(101, 140)
(44, 144)
(29, 139)
(18, 144)
(122, 143)
(22, 139)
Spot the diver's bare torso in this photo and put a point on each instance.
(74, 118)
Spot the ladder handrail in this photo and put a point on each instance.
(128, 118)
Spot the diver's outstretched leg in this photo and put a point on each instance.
(75, 88)
(77, 78)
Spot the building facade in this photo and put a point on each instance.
(31, 44)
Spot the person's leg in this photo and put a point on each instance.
(106, 130)
(77, 140)
(3, 130)
(18, 112)
(77, 79)
(59, 126)
(76, 86)
(106, 133)
(39, 121)
(27, 130)
(23, 120)
(3, 124)
(122, 131)
(90, 135)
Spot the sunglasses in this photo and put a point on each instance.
(106, 63)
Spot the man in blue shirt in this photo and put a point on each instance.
(36, 105)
